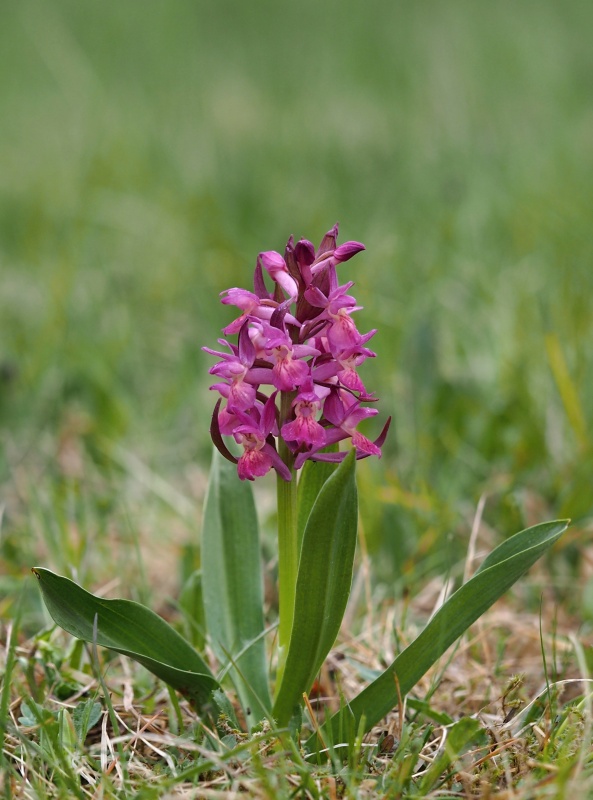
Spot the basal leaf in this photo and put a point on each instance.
(191, 603)
(323, 585)
(131, 629)
(313, 475)
(232, 586)
(496, 575)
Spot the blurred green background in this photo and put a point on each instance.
(150, 149)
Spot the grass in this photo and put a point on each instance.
(149, 153)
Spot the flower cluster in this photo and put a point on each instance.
(297, 345)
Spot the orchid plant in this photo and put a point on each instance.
(290, 394)
(291, 385)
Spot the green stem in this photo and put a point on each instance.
(288, 551)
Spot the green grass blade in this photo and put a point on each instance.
(460, 736)
(9, 665)
(130, 629)
(323, 585)
(500, 570)
(232, 585)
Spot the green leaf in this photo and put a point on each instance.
(191, 603)
(34, 714)
(85, 716)
(232, 586)
(130, 629)
(505, 565)
(323, 585)
(313, 476)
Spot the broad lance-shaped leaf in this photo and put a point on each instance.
(130, 629)
(323, 585)
(499, 571)
(232, 585)
(313, 475)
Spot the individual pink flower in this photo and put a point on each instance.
(349, 360)
(288, 370)
(253, 431)
(345, 413)
(276, 267)
(343, 365)
(331, 257)
(337, 308)
(252, 306)
(248, 302)
(304, 428)
(259, 456)
(235, 369)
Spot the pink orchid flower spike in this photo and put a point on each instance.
(291, 384)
